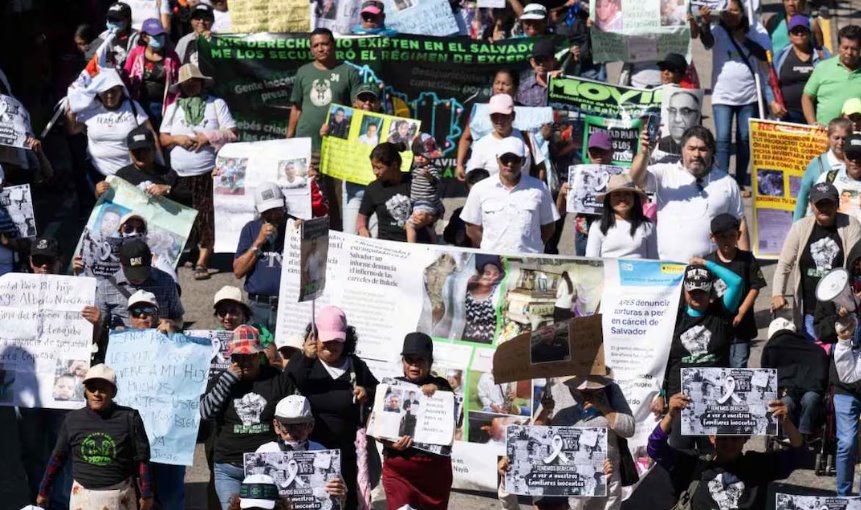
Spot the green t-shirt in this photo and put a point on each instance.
(832, 84)
(314, 90)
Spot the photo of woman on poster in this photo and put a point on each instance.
(608, 14)
(481, 292)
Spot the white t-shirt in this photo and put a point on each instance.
(215, 116)
(618, 243)
(107, 131)
(145, 9)
(511, 219)
(849, 191)
(485, 150)
(732, 81)
(686, 209)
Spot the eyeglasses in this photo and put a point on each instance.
(133, 229)
(510, 159)
(42, 260)
(144, 311)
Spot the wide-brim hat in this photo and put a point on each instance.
(621, 182)
(188, 72)
(588, 382)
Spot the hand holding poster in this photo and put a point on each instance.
(17, 220)
(420, 17)
(404, 410)
(45, 342)
(300, 476)
(556, 461)
(588, 181)
(14, 122)
(799, 502)
(163, 378)
(313, 252)
(729, 401)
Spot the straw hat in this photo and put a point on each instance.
(187, 72)
(621, 182)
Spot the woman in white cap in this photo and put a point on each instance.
(257, 492)
(194, 128)
(623, 231)
(108, 447)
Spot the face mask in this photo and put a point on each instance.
(115, 26)
(156, 42)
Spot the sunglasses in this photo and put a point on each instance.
(510, 159)
(42, 260)
(222, 312)
(366, 98)
(800, 31)
(145, 311)
(132, 229)
(369, 17)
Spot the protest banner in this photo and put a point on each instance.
(779, 154)
(14, 122)
(45, 342)
(168, 223)
(799, 502)
(253, 16)
(312, 257)
(241, 167)
(17, 220)
(638, 31)
(680, 110)
(556, 461)
(353, 134)
(716, 6)
(728, 401)
(220, 341)
(584, 106)
(437, 289)
(163, 378)
(421, 17)
(100, 253)
(587, 182)
(404, 410)
(301, 476)
(525, 119)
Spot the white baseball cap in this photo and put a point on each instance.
(103, 372)
(511, 145)
(534, 11)
(780, 324)
(268, 196)
(228, 293)
(294, 409)
(294, 341)
(142, 297)
(258, 491)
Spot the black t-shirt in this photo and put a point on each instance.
(153, 82)
(822, 253)
(745, 265)
(391, 203)
(157, 175)
(702, 341)
(247, 419)
(793, 76)
(105, 448)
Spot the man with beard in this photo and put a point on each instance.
(689, 194)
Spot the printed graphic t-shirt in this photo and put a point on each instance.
(314, 90)
(823, 252)
(702, 341)
(391, 203)
(107, 131)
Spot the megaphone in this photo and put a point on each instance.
(834, 287)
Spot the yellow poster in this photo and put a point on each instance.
(251, 16)
(779, 154)
(351, 136)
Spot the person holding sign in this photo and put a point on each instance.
(257, 492)
(623, 231)
(412, 476)
(728, 478)
(108, 447)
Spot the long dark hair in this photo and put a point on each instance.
(608, 217)
(388, 153)
(349, 343)
(567, 278)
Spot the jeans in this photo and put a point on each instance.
(352, 199)
(739, 353)
(805, 416)
(724, 114)
(847, 408)
(809, 331)
(264, 313)
(168, 486)
(228, 479)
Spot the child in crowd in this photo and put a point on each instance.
(455, 230)
(725, 233)
(427, 206)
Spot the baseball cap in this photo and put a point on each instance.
(136, 259)
(511, 145)
(534, 11)
(127, 216)
(366, 88)
(203, 11)
(852, 146)
(824, 191)
(673, 62)
(723, 223)
(372, 7)
(289, 342)
(228, 293)
(418, 344)
(152, 26)
(600, 140)
(268, 196)
(543, 48)
(698, 278)
(258, 491)
(797, 21)
(45, 247)
(103, 372)
(501, 103)
(851, 106)
(246, 340)
(780, 324)
(425, 145)
(119, 12)
(140, 138)
(142, 297)
(294, 409)
(331, 323)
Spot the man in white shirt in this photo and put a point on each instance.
(511, 212)
(485, 150)
(847, 180)
(689, 194)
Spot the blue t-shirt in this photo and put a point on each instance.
(265, 277)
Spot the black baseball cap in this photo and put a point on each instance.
(822, 191)
(543, 48)
(140, 138)
(698, 278)
(136, 259)
(203, 11)
(852, 146)
(418, 344)
(119, 11)
(724, 223)
(674, 62)
(45, 247)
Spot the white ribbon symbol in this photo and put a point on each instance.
(729, 387)
(556, 443)
(292, 471)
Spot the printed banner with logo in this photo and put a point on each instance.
(779, 154)
(638, 30)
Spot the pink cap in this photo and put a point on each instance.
(331, 324)
(374, 7)
(501, 103)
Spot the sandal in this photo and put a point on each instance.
(201, 273)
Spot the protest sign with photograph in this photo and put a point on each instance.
(799, 502)
(253, 16)
(301, 476)
(716, 6)
(588, 181)
(313, 251)
(17, 220)
(729, 401)
(638, 31)
(241, 167)
(14, 122)
(556, 461)
(680, 109)
(420, 17)
(163, 378)
(100, 253)
(404, 410)
(220, 340)
(779, 154)
(45, 341)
